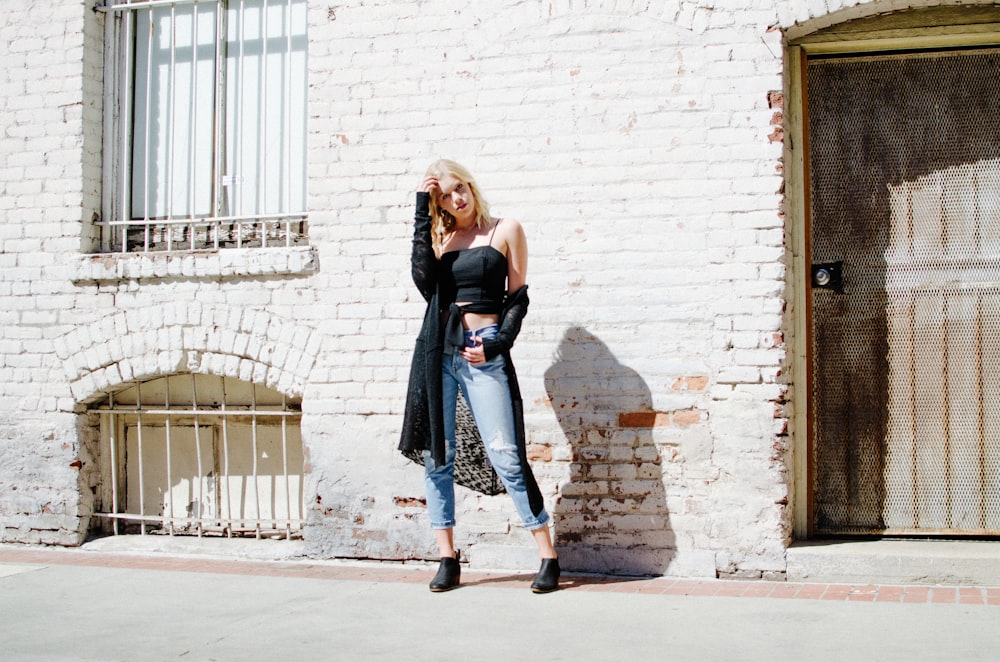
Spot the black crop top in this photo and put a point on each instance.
(478, 278)
(475, 276)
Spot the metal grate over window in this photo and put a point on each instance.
(201, 455)
(205, 124)
(904, 184)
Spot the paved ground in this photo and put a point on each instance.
(84, 605)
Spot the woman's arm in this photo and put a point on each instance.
(516, 304)
(514, 310)
(423, 261)
(517, 254)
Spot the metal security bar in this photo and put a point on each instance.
(204, 125)
(209, 456)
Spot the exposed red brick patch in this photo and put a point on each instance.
(696, 383)
(539, 453)
(644, 419)
(659, 419)
(410, 502)
(687, 417)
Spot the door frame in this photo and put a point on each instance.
(908, 30)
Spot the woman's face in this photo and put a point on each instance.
(456, 198)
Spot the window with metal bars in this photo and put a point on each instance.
(200, 455)
(205, 124)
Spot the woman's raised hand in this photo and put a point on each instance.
(429, 184)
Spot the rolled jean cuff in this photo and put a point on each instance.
(440, 527)
(540, 522)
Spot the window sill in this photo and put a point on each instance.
(224, 263)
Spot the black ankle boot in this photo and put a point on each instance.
(447, 575)
(547, 579)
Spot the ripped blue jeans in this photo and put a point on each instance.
(485, 389)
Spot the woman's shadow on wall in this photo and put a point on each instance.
(611, 517)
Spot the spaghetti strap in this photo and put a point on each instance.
(495, 226)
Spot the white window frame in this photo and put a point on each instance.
(252, 193)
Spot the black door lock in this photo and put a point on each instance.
(828, 276)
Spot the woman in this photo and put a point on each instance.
(471, 270)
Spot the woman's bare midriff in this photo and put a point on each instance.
(475, 321)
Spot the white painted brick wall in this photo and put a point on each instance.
(633, 141)
(43, 189)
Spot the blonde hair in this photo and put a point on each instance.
(441, 221)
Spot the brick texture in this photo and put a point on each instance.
(639, 144)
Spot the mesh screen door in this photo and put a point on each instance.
(904, 183)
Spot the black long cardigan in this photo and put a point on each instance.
(423, 417)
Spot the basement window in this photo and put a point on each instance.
(201, 455)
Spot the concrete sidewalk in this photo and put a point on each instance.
(86, 605)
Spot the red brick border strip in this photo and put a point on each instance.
(374, 571)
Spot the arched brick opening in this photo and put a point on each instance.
(216, 393)
(252, 345)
